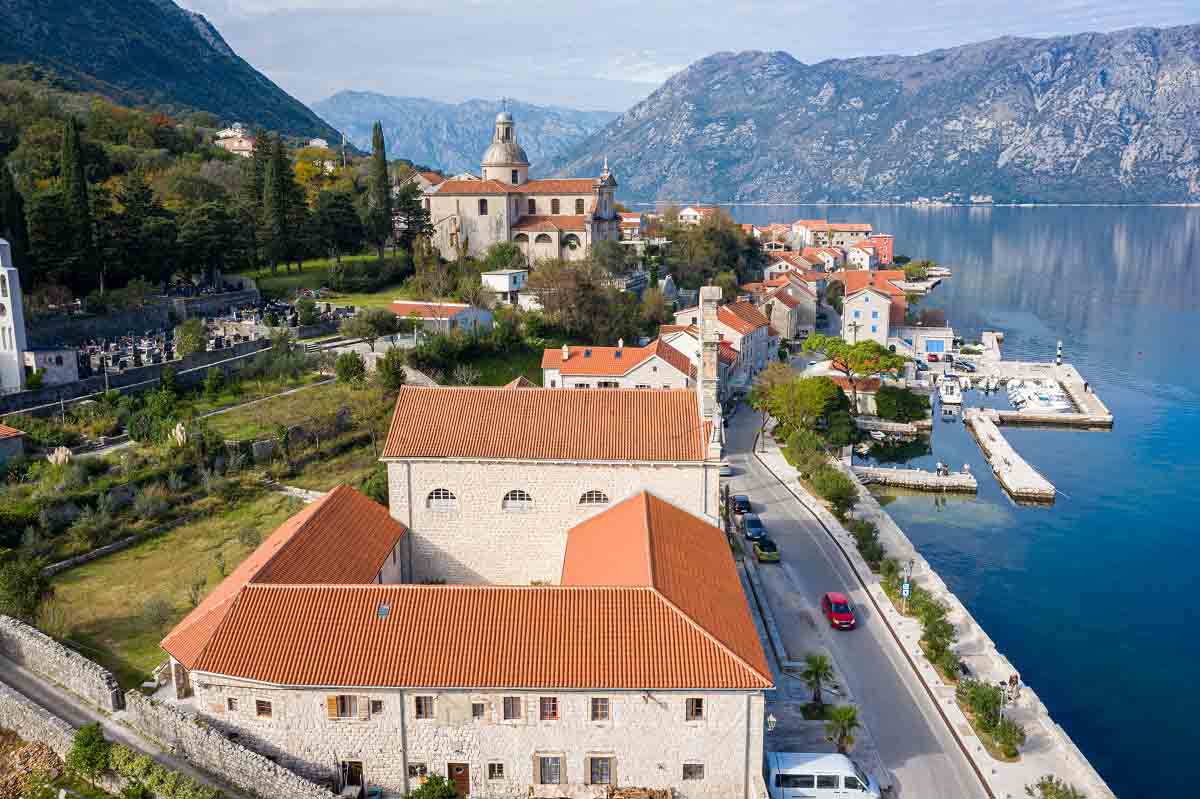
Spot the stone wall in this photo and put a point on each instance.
(33, 723)
(214, 304)
(210, 750)
(51, 331)
(480, 542)
(43, 655)
(646, 734)
(188, 371)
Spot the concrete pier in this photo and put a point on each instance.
(1019, 479)
(917, 479)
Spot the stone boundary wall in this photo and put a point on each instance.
(58, 330)
(214, 304)
(207, 749)
(33, 723)
(188, 371)
(88, 557)
(46, 657)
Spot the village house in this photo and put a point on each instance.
(860, 256)
(865, 315)
(12, 443)
(843, 234)
(695, 214)
(746, 330)
(789, 302)
(884, 244)
(559, 218)
(12, 324)
(444, 317)
(56, 365)
(657, 365)
(633, 226)
(779, 263)
(240, 144)
(424, 180)
(505, 284)
(831, 258)
(686, 339)
(811, 232)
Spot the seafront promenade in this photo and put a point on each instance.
(1048, 748)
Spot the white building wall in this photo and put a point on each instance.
(647, 734)
(865, 316)
(482, 543)
(652, 373)
(12, 324)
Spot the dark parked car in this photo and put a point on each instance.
(752, 527)
(965, 366)
(741, 504)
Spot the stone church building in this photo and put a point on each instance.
(555, 218)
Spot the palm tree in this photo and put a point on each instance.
(818, 670)
(842, 724)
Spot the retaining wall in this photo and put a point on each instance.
(33, 723)
(52, 331)
(46, 657)
(214, 304)
(208, 749)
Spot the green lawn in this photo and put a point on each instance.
(315, 274)
(501, 368)
(104, 601)
(261, 419)
(350, 467)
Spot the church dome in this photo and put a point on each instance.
(505, 153)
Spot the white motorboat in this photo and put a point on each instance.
(878, 435)
(1038, 396)
(949, 391)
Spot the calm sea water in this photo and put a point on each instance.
(1095, 599)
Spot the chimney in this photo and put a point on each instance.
(566, 352)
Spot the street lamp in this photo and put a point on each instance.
(771, 722)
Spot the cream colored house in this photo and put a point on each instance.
(657, 365)
(865, 315)
(556, 218)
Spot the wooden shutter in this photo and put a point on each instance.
(364, 708)
(331, 706)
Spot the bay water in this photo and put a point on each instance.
(1094, 599)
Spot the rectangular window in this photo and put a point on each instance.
(532, 206)
(827, 781)
(262, 709)
(417, 771)
(600, 771)
(579, 208)
(347, 707)
(795, 781)
(607, 384)
(874, 328)
(376, 707)
(852, 784)
(548, 706)
(515, 177)
(477, 711)
(693, 771)
(874, 314)
(495, 771)
(231, 705)
(856, 314)
(482, 207)
(600, 709)
(695, 710)
(424, 709)
(550, 770)
(512, 708)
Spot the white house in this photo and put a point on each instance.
(790, 304)
(919, 342)
(506, 284)
(861, 256)
(694, 215)
(865, 315)
(444, 317)
(843, 234)
(12, 324)
(746, 330)
(657, 365)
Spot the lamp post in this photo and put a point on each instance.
(907, 588)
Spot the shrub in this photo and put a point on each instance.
(1051, 787)
(950, 663)
(306, 311)
(43, 433)
(214, 382)
(389, 370)
(91, 528)
(376, 485)
(901, 404)
(1009, 736)
(157, 612)
(866, 538)
(89, 753)
(350, 367)
(435, 786)
(152, 502)
(983, 700)
(835, 488)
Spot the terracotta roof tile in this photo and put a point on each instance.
(612, 361)
(728, 353)
(521, 381)
(551, 222)
(557, 186)
(10, 432)
(454, 186)
(427, 310)
(855, 227)
(607, 424)
(742, 317)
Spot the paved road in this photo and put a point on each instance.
(913, 740)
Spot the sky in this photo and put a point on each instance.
(609, 54)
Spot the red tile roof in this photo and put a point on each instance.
(299, 551)
(432, 177)
(868, 385)
(453, 186)
(606, 424)
(427, 310)
(556, 186)
(642, 577)
(521, 381)
(728, 353)
(856, 227)
(742, 317)
(551, 222)
(612, 361)
(10, 432)
(813, 224)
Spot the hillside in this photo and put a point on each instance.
(148, 52)
(453, 137)
(1092, 117)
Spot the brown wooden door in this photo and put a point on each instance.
(460, 776)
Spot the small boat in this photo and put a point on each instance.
(949, 391)
(878, 435)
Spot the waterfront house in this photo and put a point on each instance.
(865, 315)
(694, 215)
(746, 329)
(844, 234)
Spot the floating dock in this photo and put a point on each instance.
(1019, 479)
(918, 479)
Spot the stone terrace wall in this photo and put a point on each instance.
(52, 331)
(206, 748)
(33, 723)
(43, 655)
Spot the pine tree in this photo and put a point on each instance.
(379, 194)
(12, 222)
(272, 228)
(78, 203)
(251, 198)
(411, 216)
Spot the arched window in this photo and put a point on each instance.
(441, 499)
(482, 207)
(532, 206)
(517, 500)
(554, 206)
(543, 238)
(579, 207)
(594, 498)
(521, 238)
(571, 241)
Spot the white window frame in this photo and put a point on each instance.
(518, 500)
(441, 500)
(594, 497)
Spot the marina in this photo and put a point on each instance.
(918, 479)
(1019, 479)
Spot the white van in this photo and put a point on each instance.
(792, 775)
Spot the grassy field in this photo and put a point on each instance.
(501, 368)
(323, 401)
(315, 274)
(103, 602)
(350, 467)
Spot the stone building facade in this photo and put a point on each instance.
(558, 218)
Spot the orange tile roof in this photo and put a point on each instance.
(427, 310)
(454, 186)
(728, 353)
(301, 550)
(551, 222)
(813, 224)
(432, 177)
(10, 432)
(613, 361)
(856, 227)
(521, 381)
(556, 186)
(679, 597)
(742, 317)
(606, 424)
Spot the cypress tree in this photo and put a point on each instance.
(12, 222)
(272, 229)
(379, 194)
(75, 194)
(251, 197)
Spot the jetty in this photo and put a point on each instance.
(917, 479)
(1019, 479)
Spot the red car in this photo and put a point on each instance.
(932, 357)
(838, 610)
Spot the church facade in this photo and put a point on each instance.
(554, 218)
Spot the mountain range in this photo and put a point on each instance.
(452, 137)
(148, 52)
(1090, 117)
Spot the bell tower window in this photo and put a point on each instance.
(515, 177)
(554, 206)
(532, 206)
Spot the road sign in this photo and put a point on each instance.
(905, 589)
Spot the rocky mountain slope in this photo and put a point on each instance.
(453, 137)
(1092, 117)
(148, 52)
